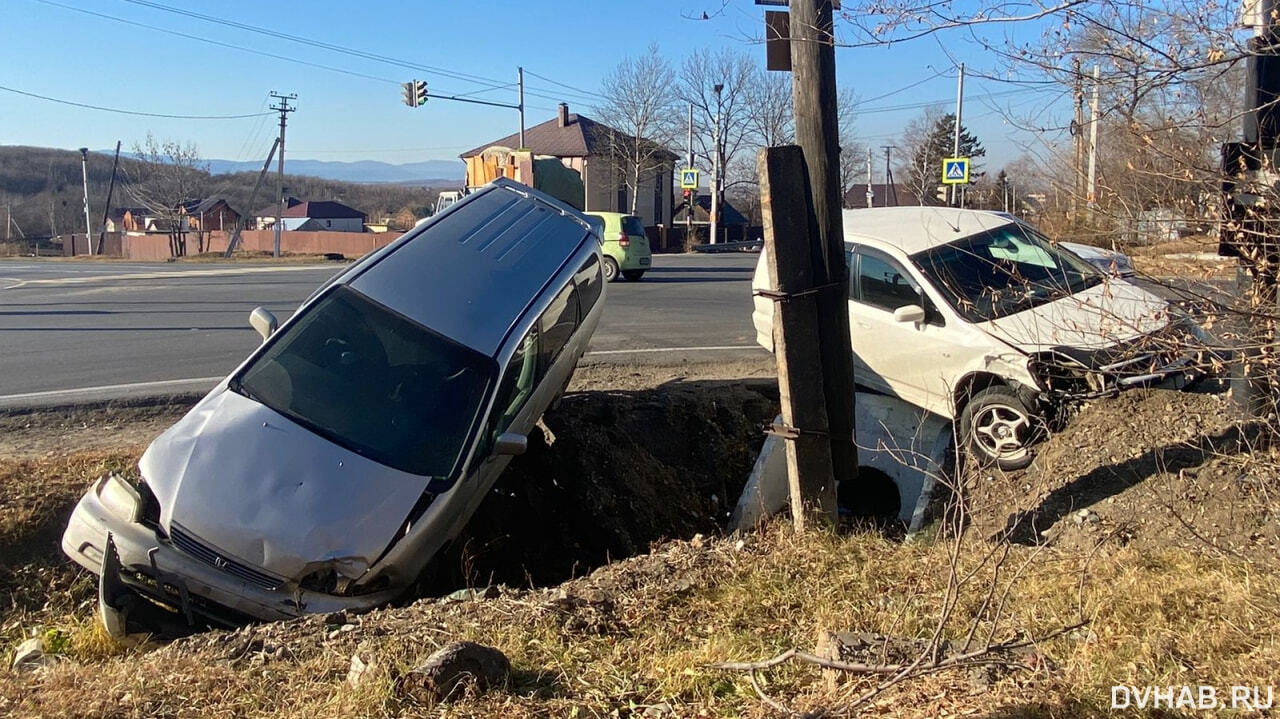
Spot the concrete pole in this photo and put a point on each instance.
(520, 84)
(84, 173)
(955, 144)
(715, 172)
(693, 196)
(1093, 143)
(870, 194)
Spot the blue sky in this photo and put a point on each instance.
(53, 51)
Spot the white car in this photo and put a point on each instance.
(1108, 261)
(327, 471)
(976, 317)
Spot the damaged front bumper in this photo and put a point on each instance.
(147, 583)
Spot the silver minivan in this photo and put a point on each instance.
(327, 471)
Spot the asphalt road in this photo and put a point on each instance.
(80, 331)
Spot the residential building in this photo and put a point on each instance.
(310, 215)
(589, 148)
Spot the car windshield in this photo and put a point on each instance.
(1003, 271)
(374, 382)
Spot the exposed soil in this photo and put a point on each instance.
(1154, 468)
(632, 455)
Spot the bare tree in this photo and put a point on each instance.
(699, 75)
(641, 104)
(769, 111)
(167, 175)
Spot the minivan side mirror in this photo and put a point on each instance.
(510, 444)
(263, 321)
(909, 313)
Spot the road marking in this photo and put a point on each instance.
(17, 282)
(110, 387)
(712, 348)
(225, 272)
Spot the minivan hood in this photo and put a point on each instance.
(1111, 312)
(254, 486)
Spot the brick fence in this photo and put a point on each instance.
(156, 246)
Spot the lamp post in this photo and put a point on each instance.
(88, 230)
(715, 170)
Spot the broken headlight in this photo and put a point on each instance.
(119, 497)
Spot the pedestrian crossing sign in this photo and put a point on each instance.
(688, 179)
(955, 171)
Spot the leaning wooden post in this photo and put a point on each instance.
(786, 208)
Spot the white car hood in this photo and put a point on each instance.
(255, 487)
(1106, 314)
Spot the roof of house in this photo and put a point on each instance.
(316, 210)
(195, 207)
(882, 195)
(118, 212)
(566, 135)
(729, 215)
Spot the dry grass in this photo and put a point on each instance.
(640, 633)
(41, 590)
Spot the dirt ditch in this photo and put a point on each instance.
(628, 459)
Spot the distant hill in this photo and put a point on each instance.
(42, 191)
(430, 173)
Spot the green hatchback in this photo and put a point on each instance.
(626, 247)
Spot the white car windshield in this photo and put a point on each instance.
(373, 381)
(1003, 271)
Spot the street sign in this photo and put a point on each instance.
(955, 171)
(688, 179)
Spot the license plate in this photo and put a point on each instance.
(644, 260)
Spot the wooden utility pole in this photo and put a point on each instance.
(813, 67)
(235, 234)
(786, 210)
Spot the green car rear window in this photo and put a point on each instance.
(632, 225)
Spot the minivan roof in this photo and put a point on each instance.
(914, 229)
(472, 271)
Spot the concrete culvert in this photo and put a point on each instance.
(622, 470)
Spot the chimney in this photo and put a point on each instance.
(564, 114)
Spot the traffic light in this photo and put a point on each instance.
(414, 93)
(942, 193)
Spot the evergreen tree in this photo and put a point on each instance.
(925, 170)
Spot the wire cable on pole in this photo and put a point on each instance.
(131, 112)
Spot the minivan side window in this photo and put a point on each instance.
(589, 282)
(883, 283)
(516, 386)
(557, 325)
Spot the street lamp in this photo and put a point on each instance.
(715, 170)
(88, 231)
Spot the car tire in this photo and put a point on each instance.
(633, 275)
(610, 269)
(998, 428)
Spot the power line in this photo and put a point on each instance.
(580, 91)
(198, 38)
(345, 50)
(131, 112)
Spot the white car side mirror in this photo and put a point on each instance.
(263, 321)
(909, 313)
